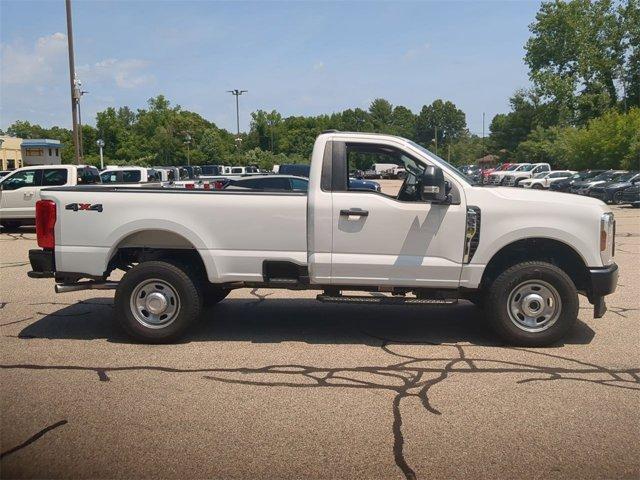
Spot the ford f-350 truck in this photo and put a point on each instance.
(522, 256)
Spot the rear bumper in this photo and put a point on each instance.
(42, 264)
(602, 282)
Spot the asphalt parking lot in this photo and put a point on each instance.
(272, 384)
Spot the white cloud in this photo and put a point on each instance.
(35, 65)
(127, 73)
(318, 66)
(417, 51)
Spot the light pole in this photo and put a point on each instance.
(236, 93)
(100, 144)
(187, 142)
(72, 78)
(79, 94)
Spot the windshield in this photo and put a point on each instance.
(527, 168)
(541, 175)
(430, 153)
(603, 176)
(627, 176)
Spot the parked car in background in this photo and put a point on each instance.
(545, 179)
(583, 187)
(20, 190)
(631, 195)
(565, 185)
(497, 178)
(172, 173)
(486, 173)
(290, 183)
(4, 173)
(242, 170)
(129, 174)
(514, 178)
(611, 192)
(211, 170)
(295, 169)
(474, 172)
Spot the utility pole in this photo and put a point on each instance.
(80, 93)
(72, 78)
(237, 94)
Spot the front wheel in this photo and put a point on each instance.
(536, 186)
(157, 301)
(532, 304)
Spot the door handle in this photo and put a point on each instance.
(354, 212)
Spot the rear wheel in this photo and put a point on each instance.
(617, 198)
(536, 186)
(157, 301)
(532, 304)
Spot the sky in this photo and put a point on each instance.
(299, 58)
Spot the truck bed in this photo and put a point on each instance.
(216, 223)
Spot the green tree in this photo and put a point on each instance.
(440, 122)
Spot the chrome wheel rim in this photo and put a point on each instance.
(534, 306)
(155, 303)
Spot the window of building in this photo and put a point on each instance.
(57, 152)
(34, 152)
(50, 153)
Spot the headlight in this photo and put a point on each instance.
(607, 236)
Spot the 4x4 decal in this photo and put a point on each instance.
(96, 207)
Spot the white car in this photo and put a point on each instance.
(126, 175)
(545, 179)
(514, 178)
(20, 189)
(497, 178)
(524, 255)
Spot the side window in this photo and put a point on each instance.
(54, 176)
(109, 177)
(25, 178)
(401, 182)
(299, 185)
(130, 176)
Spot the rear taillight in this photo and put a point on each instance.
(45, 222)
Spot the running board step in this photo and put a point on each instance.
(386, 300)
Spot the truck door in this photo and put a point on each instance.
(391, 236)
(19, 193)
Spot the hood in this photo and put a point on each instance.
(617, 185)
(542, 196)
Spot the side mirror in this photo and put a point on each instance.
(433, 187)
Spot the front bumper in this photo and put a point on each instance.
(602, 282)
(42, 264)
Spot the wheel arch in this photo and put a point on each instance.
(141, 244)
(550, 250)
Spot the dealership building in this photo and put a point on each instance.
(10, 152)
(41, 151)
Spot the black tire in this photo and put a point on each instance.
(213, 294)
(499, 300)
(185, 295)
(536, 186)
(617, 197)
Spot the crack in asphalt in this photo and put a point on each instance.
(406, 378)
(33, 438)
(16, 321)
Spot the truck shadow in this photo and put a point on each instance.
(268, 320)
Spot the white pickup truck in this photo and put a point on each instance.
(522, 256)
